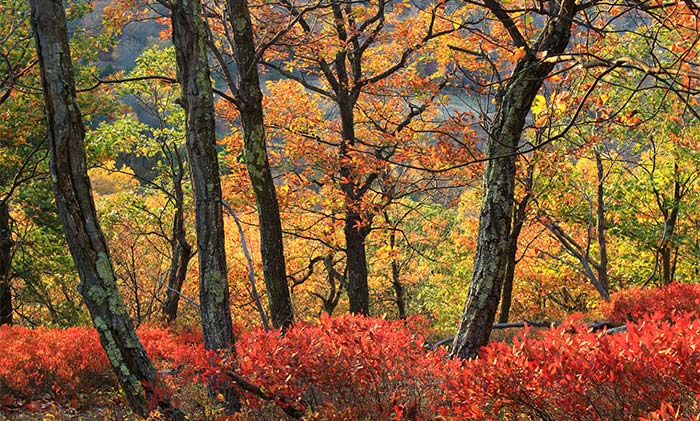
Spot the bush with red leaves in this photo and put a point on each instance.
(635, 303)
(353, 367)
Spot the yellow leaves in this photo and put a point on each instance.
(107, 181)
(519, 53)
(539, 105)
(543, 109)
(601, 100)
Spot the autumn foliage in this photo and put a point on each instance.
(636, 303)
(353, 367)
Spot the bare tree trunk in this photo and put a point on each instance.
(396, 274)
(356, 262)
(181, 249)
(5, 265)
(250, 105)
(356, 229)
(499, 178)
(670, 220)
(190, 39)
(76, 209)
(512, 259)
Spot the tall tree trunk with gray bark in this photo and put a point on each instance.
(76, 209)
(256, 158)
(495, 218)
(190, 37)
(5, 265)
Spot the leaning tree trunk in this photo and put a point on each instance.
(76, 210)
(499, 180)
(190, 40)
(250, 106)
(5, 265)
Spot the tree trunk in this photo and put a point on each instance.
(250, 106)
(190, 40)
(670, 220)
(499, 179)
(76, 209)
(356, 229)
(5, 265)
(356, 262)
(181, 249)
(519, 216)
(396, 273)
(330, 301)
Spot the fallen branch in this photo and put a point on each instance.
(287, 404)
(595, 326)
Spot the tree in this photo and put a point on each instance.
(350, 66)
(137, 376)
(540, 40)
(20, 160)
(156, 142)
(6, 244)
(249, 102)
(190, 37)
(504, 136)
(595, 269)
(519, 218)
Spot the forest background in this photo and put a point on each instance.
(378, 158)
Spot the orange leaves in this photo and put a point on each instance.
(519, 53)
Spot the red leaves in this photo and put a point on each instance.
(353, 367)
(50, 362)
(635, 303)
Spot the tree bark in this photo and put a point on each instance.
(251, 109)
(76, 209)
(356, 229)
(190, 39)
(519, 216)
(499, 179)
(181, 249)
(396, 274)
(670, 220)
(330, 302)
(5, 265)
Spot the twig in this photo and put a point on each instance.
(251, 272)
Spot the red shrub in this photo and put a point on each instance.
(587, 376)
(348, 367)
(635, 303)
(353, 367)
(361, 368)
(60, 362)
